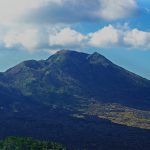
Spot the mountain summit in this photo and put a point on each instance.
(71, 88)
(81, 75)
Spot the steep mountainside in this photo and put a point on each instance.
(80, 75)
(80, 100)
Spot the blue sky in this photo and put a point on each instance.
(35, 29)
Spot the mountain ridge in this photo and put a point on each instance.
(71, 88)
(81, 69)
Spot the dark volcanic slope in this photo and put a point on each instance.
(80, 75)
(76, 99)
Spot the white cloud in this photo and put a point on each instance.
(137, 39)
(64, 11)
(124, 37)
(10, 10)
(66, 38)
(33, 39)
(46, 38)
(105, 37)
(28, 39)
(117, 9)
(10, 39)
(29, 24)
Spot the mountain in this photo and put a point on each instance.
(80, 75)
(78, 99)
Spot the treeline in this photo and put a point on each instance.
(16, 143)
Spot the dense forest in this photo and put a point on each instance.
(16, 143)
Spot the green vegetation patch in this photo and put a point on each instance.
(16, 143)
